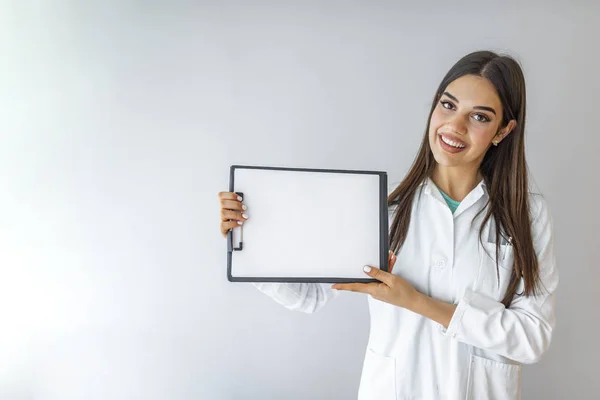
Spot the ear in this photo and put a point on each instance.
(504, 132)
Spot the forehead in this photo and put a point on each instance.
(471, 90)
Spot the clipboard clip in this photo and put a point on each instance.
(230, 246)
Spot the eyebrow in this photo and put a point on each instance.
(490, 109)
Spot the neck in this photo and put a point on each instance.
(456, 182)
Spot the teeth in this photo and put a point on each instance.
(452, 143)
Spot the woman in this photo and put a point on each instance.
(470, 294)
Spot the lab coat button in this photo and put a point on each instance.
(441, 264)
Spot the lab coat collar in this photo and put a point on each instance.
(430, 188)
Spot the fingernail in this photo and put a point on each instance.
(240, 222)
(245, 216)
(366, 268)
(244, 207)
(240, 198)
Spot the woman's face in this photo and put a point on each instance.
(465, 121)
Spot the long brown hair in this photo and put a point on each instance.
(504, 170)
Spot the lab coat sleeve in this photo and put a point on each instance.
(523, 331)
(304, 297)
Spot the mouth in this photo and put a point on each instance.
(450, 144)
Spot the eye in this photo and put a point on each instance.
(446, 104)
(483, 118)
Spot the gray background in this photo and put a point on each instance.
(119, 121)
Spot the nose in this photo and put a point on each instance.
(458, 124)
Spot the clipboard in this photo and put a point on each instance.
(308, 225)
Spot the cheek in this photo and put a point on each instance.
(435, 123)
(481, 136)
(436, 118)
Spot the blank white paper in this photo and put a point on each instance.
(305, 224)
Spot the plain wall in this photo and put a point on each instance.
(119, 121)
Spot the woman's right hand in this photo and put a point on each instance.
(233, 212)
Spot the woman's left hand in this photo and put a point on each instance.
(390, 288)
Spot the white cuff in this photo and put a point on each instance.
(456, 319)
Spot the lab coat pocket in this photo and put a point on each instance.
(378, 380)
(487, 281)
(493, 380)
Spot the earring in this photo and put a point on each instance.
(495, 143)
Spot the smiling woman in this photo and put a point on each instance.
(461, 127)
(469, 296)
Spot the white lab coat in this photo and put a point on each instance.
(480, 355)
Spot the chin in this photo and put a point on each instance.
(441, 160)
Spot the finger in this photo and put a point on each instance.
(229, 196)
(233, 205)
(391, 261)
(380, 275)
(227, 226)
(227, 215)
(355, 287)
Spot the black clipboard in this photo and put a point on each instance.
(235, 237)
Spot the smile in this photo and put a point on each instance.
(451, 142)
